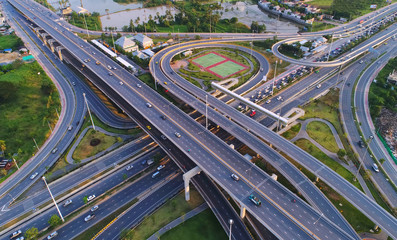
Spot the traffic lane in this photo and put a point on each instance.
(136, 214)
(41, 221)
(78, 225)
(51, 142)
(71, 180)
(329, 209)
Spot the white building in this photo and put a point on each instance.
(143, 40)
(127, 44)
(140, 55)
(148, 52)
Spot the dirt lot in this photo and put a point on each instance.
(9, 57)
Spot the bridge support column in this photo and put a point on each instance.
(51, 44)
(59, 49)
(186, 178)
(317, 179)
(242, 211)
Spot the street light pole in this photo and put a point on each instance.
(206, 112)
(56, 205)
(15, 163)
(274, 78)
(230, 228)
(318, 218)
(361, 162)
(330, 47)
(86, 27)
(89, 112)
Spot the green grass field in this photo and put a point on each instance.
(171, 210)
(25, 113)
(227, 68)
(321, 133)
(10, 41)
(208, 60)
(290, 134)
(321, 3)
(85, 150)
(202, 226)
(324, 158)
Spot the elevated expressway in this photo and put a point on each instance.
(204, 146)
(199, 140)
(355, 196)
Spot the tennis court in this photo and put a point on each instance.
(226, 69)
(208, 59)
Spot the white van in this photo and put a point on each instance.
(155, 174)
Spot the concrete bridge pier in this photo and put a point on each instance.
(51, 44)
(186, 178)
(242, 210)
(58, 50)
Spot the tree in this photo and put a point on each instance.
(3, 172)
(54, 221)
(32, 233)
(233, 20)
(7, 91)
(341, 153)
(3, 147)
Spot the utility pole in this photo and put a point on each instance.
(56, 205)
(330, 47)
(230, 228)
(206, 111)
(49, 125)
(35, 143)
(366, 151)
(89, 112)
(274, 78)
(114, 47)
(16, 164)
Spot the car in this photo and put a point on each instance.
(361, 61)
(235, 177)
(129, 167)
(155, 174)
(89, 217)
(361, 144)
(375, 167)
(109, 67)
(97, 63)
(91, 197)
(160, 167)
(138, 85)
(148, 105)
(94, 208)
(81, 45)
(318, 86)
(163, 117)
(16, 233)
(172, 72)
(279, 98)
(255, 200)
(114, 68)
(54, 150)
(143, 162)
(73, 83)
(163, 137)
(85, 60)
(52, 235)
(177, 134)
(348, 84)
(68, 202)
(70, 128)
(20, 238)
(34, 175)
(110, 74)
(261, 69)
(268, 101)
(149, 127)
(165, 83)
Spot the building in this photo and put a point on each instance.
(127, 44)
(392, 78)
(143, 40)
(148, 52)
(140, 55)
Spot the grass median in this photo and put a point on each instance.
(321, 133)
(171, 210)
(291, 133)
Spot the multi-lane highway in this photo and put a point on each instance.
(211, 153)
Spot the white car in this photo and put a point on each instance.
(318, 86)
(129, 167)
(160, 167)
(121, 83)
(15, 234)
(89, 217)
(268, 101)
(68, 202)
(34, 175)
(177, 134)
(94, 208)
(52, 235)
(235, 177)
(375, 167)
(91, 197)
(138, 85)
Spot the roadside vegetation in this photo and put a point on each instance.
(10, 41)
(93, 21)
(46, 4)
(170, 211)
(321, 133)
(202, 226)
(92, 143)
(324, 158)
(28, 105)
(353, 8)
(292, 132)
(381, 93)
